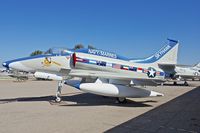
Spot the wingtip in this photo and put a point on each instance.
(172, 40)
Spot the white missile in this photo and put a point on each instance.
(44, 75)
(113, 90)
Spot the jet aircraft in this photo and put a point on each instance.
(102, 72)
(187, 72)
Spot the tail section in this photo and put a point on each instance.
(197, 65)
(166, 55)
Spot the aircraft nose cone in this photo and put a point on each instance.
(19, 66)
(16, 65)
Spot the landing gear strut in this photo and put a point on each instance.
(58, 93)
(121, 100)
(186, 83)
(175, 83)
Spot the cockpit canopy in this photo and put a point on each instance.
(58, 51)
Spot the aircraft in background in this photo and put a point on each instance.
(102, 72)
(187, 72)
(3, 69)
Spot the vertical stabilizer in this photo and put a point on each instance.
(166, 55)
(197, 65)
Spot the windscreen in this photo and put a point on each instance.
(57, 51)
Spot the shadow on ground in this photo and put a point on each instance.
(79, 99)
(181, 114)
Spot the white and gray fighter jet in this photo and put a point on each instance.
(102, 72)
(187, 72)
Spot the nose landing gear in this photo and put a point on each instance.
(58, 93)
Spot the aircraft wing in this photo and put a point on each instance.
(115, 76)
(188, 76)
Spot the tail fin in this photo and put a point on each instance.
(166, 55)
(197, 65)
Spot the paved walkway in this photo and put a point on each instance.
(181, 115)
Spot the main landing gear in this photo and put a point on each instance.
(121, 100)
(58, 93)
(175, 83)
(186, 83)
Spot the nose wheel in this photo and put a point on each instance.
(58, 93)
(58, 99)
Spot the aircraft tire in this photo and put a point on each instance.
(121, 100)
(186, 84)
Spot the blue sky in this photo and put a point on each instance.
(132, 28)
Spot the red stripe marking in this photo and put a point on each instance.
(74, 59)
